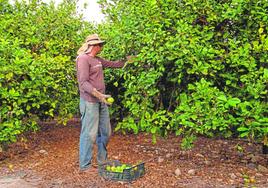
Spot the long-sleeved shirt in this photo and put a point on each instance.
(90, 75)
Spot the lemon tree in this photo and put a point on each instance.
(200, 66)
(38, 44)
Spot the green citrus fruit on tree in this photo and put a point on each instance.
(110, 100)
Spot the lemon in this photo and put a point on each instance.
(110, 100)
(108, 168)
(116, 84)
(113, 169)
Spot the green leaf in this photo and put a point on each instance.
(233, 101)
(242, 129)
(222, 98)
(153, 130)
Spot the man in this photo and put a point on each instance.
(93, 105)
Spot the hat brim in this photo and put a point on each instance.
(96, 42)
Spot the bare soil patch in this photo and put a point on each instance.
(49, 158)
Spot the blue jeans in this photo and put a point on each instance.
(96, 126)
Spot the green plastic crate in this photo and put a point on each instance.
(127, 175)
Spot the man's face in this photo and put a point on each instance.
(98, 48)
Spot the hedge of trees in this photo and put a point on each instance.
(38, 44)
(200, 66)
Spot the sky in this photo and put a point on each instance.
(92, 13)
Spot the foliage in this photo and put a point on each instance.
(187, 142)
(201, 66)
(38, 44)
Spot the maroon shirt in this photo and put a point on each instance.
(90, 75)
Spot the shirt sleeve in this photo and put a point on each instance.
(111, 64)
(83, 68)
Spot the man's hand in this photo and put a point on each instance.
(100, 96)
(130, 58)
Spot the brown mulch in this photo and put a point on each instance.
(49, 158)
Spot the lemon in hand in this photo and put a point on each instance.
(110, 100)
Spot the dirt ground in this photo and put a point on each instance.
(49, 158)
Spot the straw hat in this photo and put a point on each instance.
(94, 39)
(90, 41)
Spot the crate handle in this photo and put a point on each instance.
(135, 166)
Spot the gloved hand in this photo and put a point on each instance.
(130, 59)
(100, 96)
